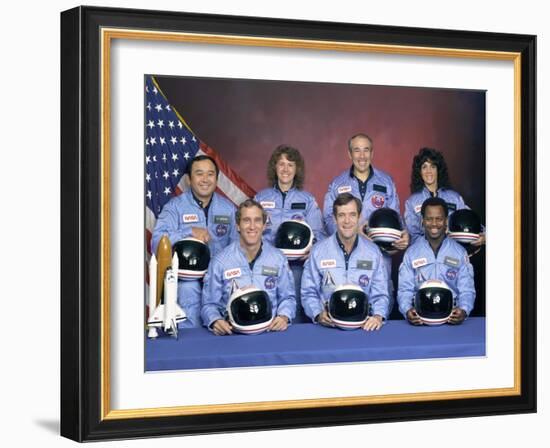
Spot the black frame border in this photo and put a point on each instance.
(81, 223)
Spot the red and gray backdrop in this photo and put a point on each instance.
(244, 120)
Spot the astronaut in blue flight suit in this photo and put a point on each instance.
(430, 178)
(248, 262)
(345, 257)
(200, 213)
(373, 187)
(287, 200)
(436, 257)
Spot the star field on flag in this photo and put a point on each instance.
(169, 146)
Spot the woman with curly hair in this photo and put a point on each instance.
(430, 178)
(286, 200)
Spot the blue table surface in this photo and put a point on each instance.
(307, 343)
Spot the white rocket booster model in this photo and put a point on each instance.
(167, 314)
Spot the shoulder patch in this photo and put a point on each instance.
(377, 200)
(418, 208)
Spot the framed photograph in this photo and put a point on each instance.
(180, 125)
(241, 86)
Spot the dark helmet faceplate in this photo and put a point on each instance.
(434, 302)
(464, 227)
(250, 310)
(348, 306)
(384, 227)
(294, 238)
(465, 221)
(193, 258)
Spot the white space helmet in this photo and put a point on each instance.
(348, 307)
(434, 302)
(249, 310)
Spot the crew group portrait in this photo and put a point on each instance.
(277, 259)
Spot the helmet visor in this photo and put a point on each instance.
(434, 303)
(348, 306)
(292, 235)
(193, 255)
(464, 221)
(251, 309)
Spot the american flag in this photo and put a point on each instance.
(169, 146)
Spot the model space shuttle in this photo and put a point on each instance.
(164, 311)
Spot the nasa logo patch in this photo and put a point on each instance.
(221, 229)
(419, 262)
(344, 189)
(270, 282)
(232, 273)
(378, 201)
(327, 264)
(298, 217)
(451, 274)
(190, 218)
(364, 280)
